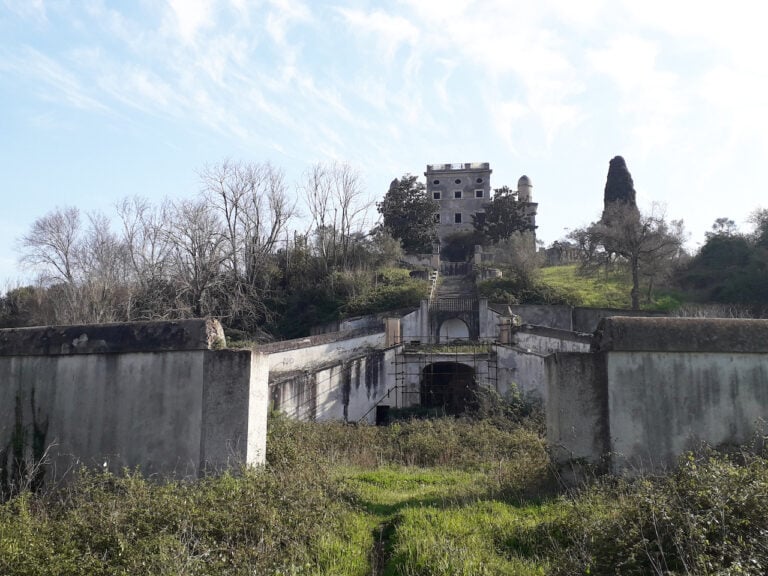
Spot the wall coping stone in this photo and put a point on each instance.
(115, 338)
(724, 335)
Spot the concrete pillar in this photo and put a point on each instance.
(234, 410)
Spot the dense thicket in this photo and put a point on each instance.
(730, 267)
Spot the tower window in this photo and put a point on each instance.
(457, 193)
(478, 193)
(435, 181)
(457, 181)
(457, 218)
(436, 195)
(479, 180)
(436, 217)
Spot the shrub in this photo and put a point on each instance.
(709, 517)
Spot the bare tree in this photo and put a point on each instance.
(105, 281)
(647, 243)
(254, 205)
(52, 245)
(197, 248)
(338, 209)
(148, 252)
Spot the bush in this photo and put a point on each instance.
(709, 517)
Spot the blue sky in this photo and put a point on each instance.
(102, 100)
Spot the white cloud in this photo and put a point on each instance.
(60, 82)
(284, 13)
(190, 16)
(390, 31)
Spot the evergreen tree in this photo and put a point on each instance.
(505, 216)
(619, 187)
(408, 214)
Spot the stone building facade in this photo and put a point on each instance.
(463, 192)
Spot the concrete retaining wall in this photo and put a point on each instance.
(152, 395)
(346, 391)
(521, 369)
(549, 340)
(307, 353)
(576, 319)
(577, 407)
(655, 387)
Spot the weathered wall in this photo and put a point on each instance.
(306, 353)
(577, 319)
(150, 394)
(577, 407)
(542, 315)
(415, 326)
(346, 391)
(666, 384)
(587, 319)
(521, 369)
(661, 404)
(549, 340)
(489, 321)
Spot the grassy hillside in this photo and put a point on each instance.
(600, 289)
(432, 497)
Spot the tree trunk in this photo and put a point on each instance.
(635, 294)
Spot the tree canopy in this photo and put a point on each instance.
(731, 267)
(504, 216)
(646, 243)
(619, 187)
(408, 214)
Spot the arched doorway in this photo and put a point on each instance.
(453, 329)
(449, 386)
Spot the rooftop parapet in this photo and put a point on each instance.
(465, 166)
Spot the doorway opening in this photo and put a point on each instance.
(449, 386)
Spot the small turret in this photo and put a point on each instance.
(524, 189)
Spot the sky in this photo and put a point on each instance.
(102, 100)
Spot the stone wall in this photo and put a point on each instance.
(153, 395)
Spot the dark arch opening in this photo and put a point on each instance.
(449, 386)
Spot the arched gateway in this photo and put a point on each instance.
(450, 386)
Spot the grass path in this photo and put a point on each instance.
(437, 521)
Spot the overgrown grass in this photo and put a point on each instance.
(599, 290)
(603, 289)
(447, 496)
